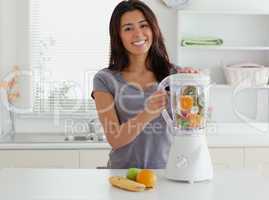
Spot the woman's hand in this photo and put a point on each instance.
(187, 70)
(155, 104)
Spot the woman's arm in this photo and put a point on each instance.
(4, 85)
(118, 134)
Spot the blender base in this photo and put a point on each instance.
(189, 159)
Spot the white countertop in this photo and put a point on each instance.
(218, 135)
(92, 184)
(54, 145)
(213, 142)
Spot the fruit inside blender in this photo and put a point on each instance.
(190, 111)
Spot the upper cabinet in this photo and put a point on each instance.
(244, 34)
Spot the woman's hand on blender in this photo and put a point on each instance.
(156, 103)
(187, 70)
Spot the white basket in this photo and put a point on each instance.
(248, 74)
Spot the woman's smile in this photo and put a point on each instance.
(139, 43)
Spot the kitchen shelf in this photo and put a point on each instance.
(244, 34)
(223, 12)
(226, 86)
(247, 48)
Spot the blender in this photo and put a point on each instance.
(189, 159)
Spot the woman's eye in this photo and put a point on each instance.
(144, 25)
(127, 29)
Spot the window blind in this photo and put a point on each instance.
(69, 44)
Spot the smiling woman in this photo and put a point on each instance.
(125, 93)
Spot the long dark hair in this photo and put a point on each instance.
(157, 59)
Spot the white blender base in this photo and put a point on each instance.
(189, 159)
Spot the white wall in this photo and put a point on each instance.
(22, 52)
(232, 106)
(14, 43)
(7, 35)
(229, 4)
(167, 21)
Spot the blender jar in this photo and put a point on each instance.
(189, 95)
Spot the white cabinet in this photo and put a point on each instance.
(230, 157)
(90, 158)
(39, 158)
(244, 34)
(221, 157)
(227, 157)
(93, 158)
(257, 158)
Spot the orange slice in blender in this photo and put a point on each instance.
(186, 102)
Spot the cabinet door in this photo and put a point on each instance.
(39, 158)
(227, 157)
(257, 158)
(94, 158)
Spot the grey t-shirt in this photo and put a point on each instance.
(151, 147)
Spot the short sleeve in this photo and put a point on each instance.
(101, 82)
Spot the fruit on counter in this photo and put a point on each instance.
(147, 177)
(132, 173)
(126, 184)
(186, 102)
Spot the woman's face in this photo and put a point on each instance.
(135, 33)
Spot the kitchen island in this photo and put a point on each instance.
(92, 184)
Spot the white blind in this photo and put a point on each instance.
(69, 44)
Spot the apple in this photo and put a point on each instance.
(132, 173)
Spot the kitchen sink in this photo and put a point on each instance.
(52, 138)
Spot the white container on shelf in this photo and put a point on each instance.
(249, 74)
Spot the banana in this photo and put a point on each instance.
(124, 183)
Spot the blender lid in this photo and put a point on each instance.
(202, 78)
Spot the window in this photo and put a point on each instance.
(69, 44)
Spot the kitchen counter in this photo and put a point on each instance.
(55, 145)
(50, 141)
(92, 184)
(213, 141)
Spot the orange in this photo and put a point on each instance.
(146, 177)
(195, 120)
(186, 102)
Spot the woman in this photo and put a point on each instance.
(125, 93)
